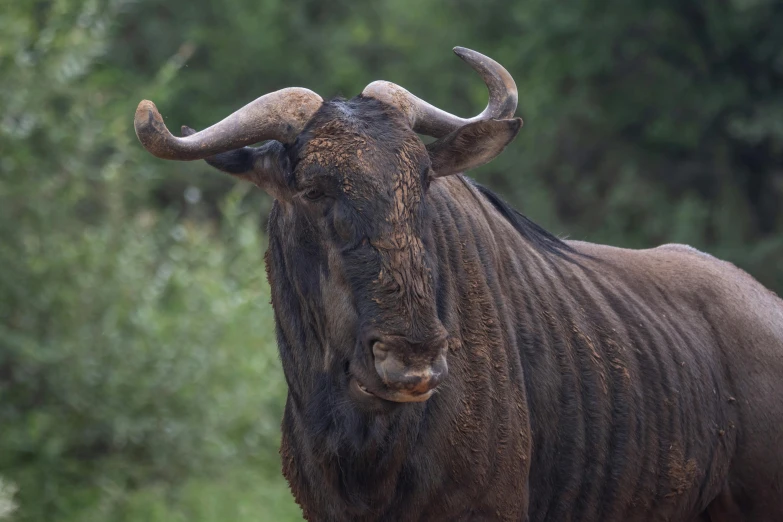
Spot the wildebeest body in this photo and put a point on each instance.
(601, 384)
(449, 360)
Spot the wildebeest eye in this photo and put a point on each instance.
(313, 194)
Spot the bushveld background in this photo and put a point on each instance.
(139, 378)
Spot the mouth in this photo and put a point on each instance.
(362, 388)
(361, 391)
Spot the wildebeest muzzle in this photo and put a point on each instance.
(410, 370)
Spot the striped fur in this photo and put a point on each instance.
(588, 383)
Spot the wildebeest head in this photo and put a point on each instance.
(351, 178)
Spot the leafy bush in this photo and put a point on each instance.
(143, 354)
(7, 503)
(138, 368)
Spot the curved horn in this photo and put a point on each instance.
(428, 119)
(280, 115)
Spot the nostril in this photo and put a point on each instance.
(370, 339)
(442, 348)
(380, 350)
(440, 370)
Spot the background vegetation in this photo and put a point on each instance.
(139, 379)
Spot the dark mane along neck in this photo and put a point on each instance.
(537, 236)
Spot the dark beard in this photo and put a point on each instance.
(359, 455)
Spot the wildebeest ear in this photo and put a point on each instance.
(471, 145)
(264, 166)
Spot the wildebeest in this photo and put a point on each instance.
(449, 360)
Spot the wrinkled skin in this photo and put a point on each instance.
(583, 383)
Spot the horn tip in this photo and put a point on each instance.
(145, 106)
(463, 52)
(151, 130)
(146, 115)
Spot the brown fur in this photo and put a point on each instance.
(586, 382)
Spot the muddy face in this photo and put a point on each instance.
(358, 181)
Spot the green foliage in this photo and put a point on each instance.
(239, 494)
(138, 368)
(155, 355)
(7, 502)
(656, 122)
(138, 373)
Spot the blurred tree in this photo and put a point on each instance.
(7, 503)
(655, 121)
(136, 352)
